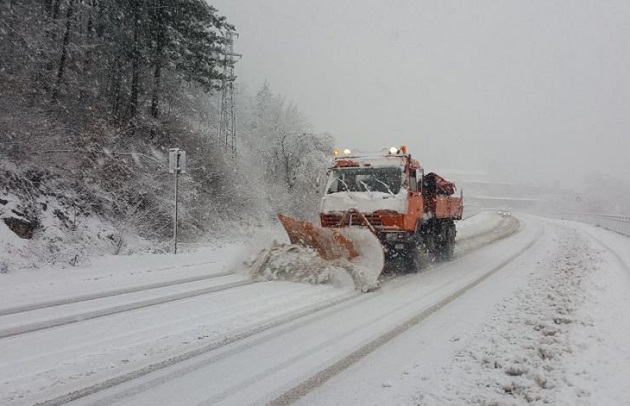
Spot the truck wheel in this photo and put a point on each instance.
(416, 258)
(448, 245)
(443, 240)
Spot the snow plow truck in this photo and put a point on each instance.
(381, 209)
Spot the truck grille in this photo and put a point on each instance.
(331, 220)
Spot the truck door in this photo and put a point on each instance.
(415, 200)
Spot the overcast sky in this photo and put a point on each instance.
(520, 89)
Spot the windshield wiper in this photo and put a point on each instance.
(386, 185)
(367, 188)
(347, 188)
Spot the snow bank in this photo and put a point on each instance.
(481, 223)
(524, 353)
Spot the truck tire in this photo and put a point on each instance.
(444, 234)
(448, 244)
(416, 258)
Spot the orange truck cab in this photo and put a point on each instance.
(390, 194)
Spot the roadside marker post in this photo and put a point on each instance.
(176, 165)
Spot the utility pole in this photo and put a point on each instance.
(227, 124)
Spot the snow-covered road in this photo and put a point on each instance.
(537, 316)
(550, 328)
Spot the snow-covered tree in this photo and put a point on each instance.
(290, 155)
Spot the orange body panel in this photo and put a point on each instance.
(415, 209)
(448, 207)
(391, 220)
(380, 219)
(344, 163)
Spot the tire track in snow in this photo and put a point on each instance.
(117, 292)
(324, 375)
(246, 333)
(108, 311)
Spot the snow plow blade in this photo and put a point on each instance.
(356, 250)
(329, 244)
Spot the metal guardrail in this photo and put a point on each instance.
(614, 222)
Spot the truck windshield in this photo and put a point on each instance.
(386, 180)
